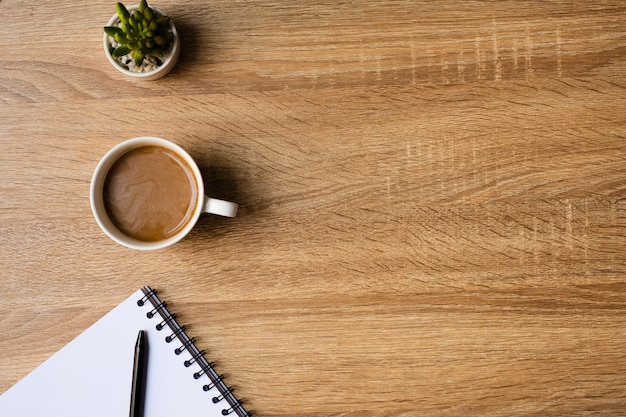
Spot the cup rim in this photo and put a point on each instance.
(97, 185)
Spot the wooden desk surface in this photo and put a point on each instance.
(433, 199)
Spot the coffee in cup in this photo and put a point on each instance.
(147, 193)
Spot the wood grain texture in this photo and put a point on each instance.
(433, 199)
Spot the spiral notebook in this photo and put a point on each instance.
(91, 375)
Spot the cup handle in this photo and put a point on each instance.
(220, 207)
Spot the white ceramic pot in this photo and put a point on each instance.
(169, 62)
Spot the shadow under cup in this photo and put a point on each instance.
(147, 193)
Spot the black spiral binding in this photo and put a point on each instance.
(235, 407)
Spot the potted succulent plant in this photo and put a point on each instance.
(141, 41)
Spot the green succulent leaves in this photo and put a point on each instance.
(142, 33)
(122, 12)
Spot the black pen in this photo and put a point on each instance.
(138, 388)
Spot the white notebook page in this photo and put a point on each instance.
(91, 376)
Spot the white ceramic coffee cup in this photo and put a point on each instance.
(204, 204)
